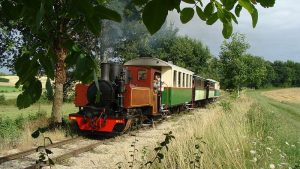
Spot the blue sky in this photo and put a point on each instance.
(276, 36)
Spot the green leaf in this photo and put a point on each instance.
(233, 18)
(26, 68)
(43, 129)
(10, 10)
(154, 15)
(209, 9)
(32, 90)
(237, 10)
(173, 4)
(157, 148)
(35, 134)
(251, 9)
(51, 162)
(186, 15)
(40, 15)
(266, 3)
(247, 5)
(200, 13)
(48, 151)
(93, 25)
(160, 155)
(48, 138)
(189, 1)
(212, 19)
(201, 3)
(106, 13)
(83, 7)
(254, 16)
(82, 72)
(48, 64)
(227, 29)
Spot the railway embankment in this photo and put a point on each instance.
(252, 131)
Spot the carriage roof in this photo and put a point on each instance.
(155, 62)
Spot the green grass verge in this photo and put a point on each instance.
(13, 112)
(279, 126)
(8, 89)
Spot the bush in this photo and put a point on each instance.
(9, 130)
(38, 115)
(2, 100)
(226, 105)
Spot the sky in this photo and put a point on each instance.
(275, 37)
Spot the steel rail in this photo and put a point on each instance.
(33, 150)
(70, 154)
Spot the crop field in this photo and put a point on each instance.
(284, 95)
(13, 79)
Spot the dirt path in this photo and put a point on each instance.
(288, 95)
(107, 156)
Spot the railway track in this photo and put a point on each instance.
(33, 150)
(61, 151)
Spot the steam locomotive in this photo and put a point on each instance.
(139, 91)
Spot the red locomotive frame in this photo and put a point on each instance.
(139, 93)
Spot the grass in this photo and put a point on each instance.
(13, 112)
(249, 132)
(8, 89)
(16, 133)
(287, 113)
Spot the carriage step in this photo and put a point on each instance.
(189, 106)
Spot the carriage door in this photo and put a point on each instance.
(157, 86)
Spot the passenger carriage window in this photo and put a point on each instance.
(183, 80)
(142, 74)
(175, 78)
(179, 79)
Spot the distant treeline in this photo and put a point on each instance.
(236, 68)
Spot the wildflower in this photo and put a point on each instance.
(293, 146)
(282, 156)
(287, 143)
(270, 138)
(254, 159)
(272, 166)
(252, 152)
(268, 148)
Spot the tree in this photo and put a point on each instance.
(233, 67)
(256, 71)
(50, 29)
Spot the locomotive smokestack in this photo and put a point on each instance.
(105, 67)
(115, 70)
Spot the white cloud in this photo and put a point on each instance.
(276, 36)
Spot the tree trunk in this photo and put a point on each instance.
(60, 76)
